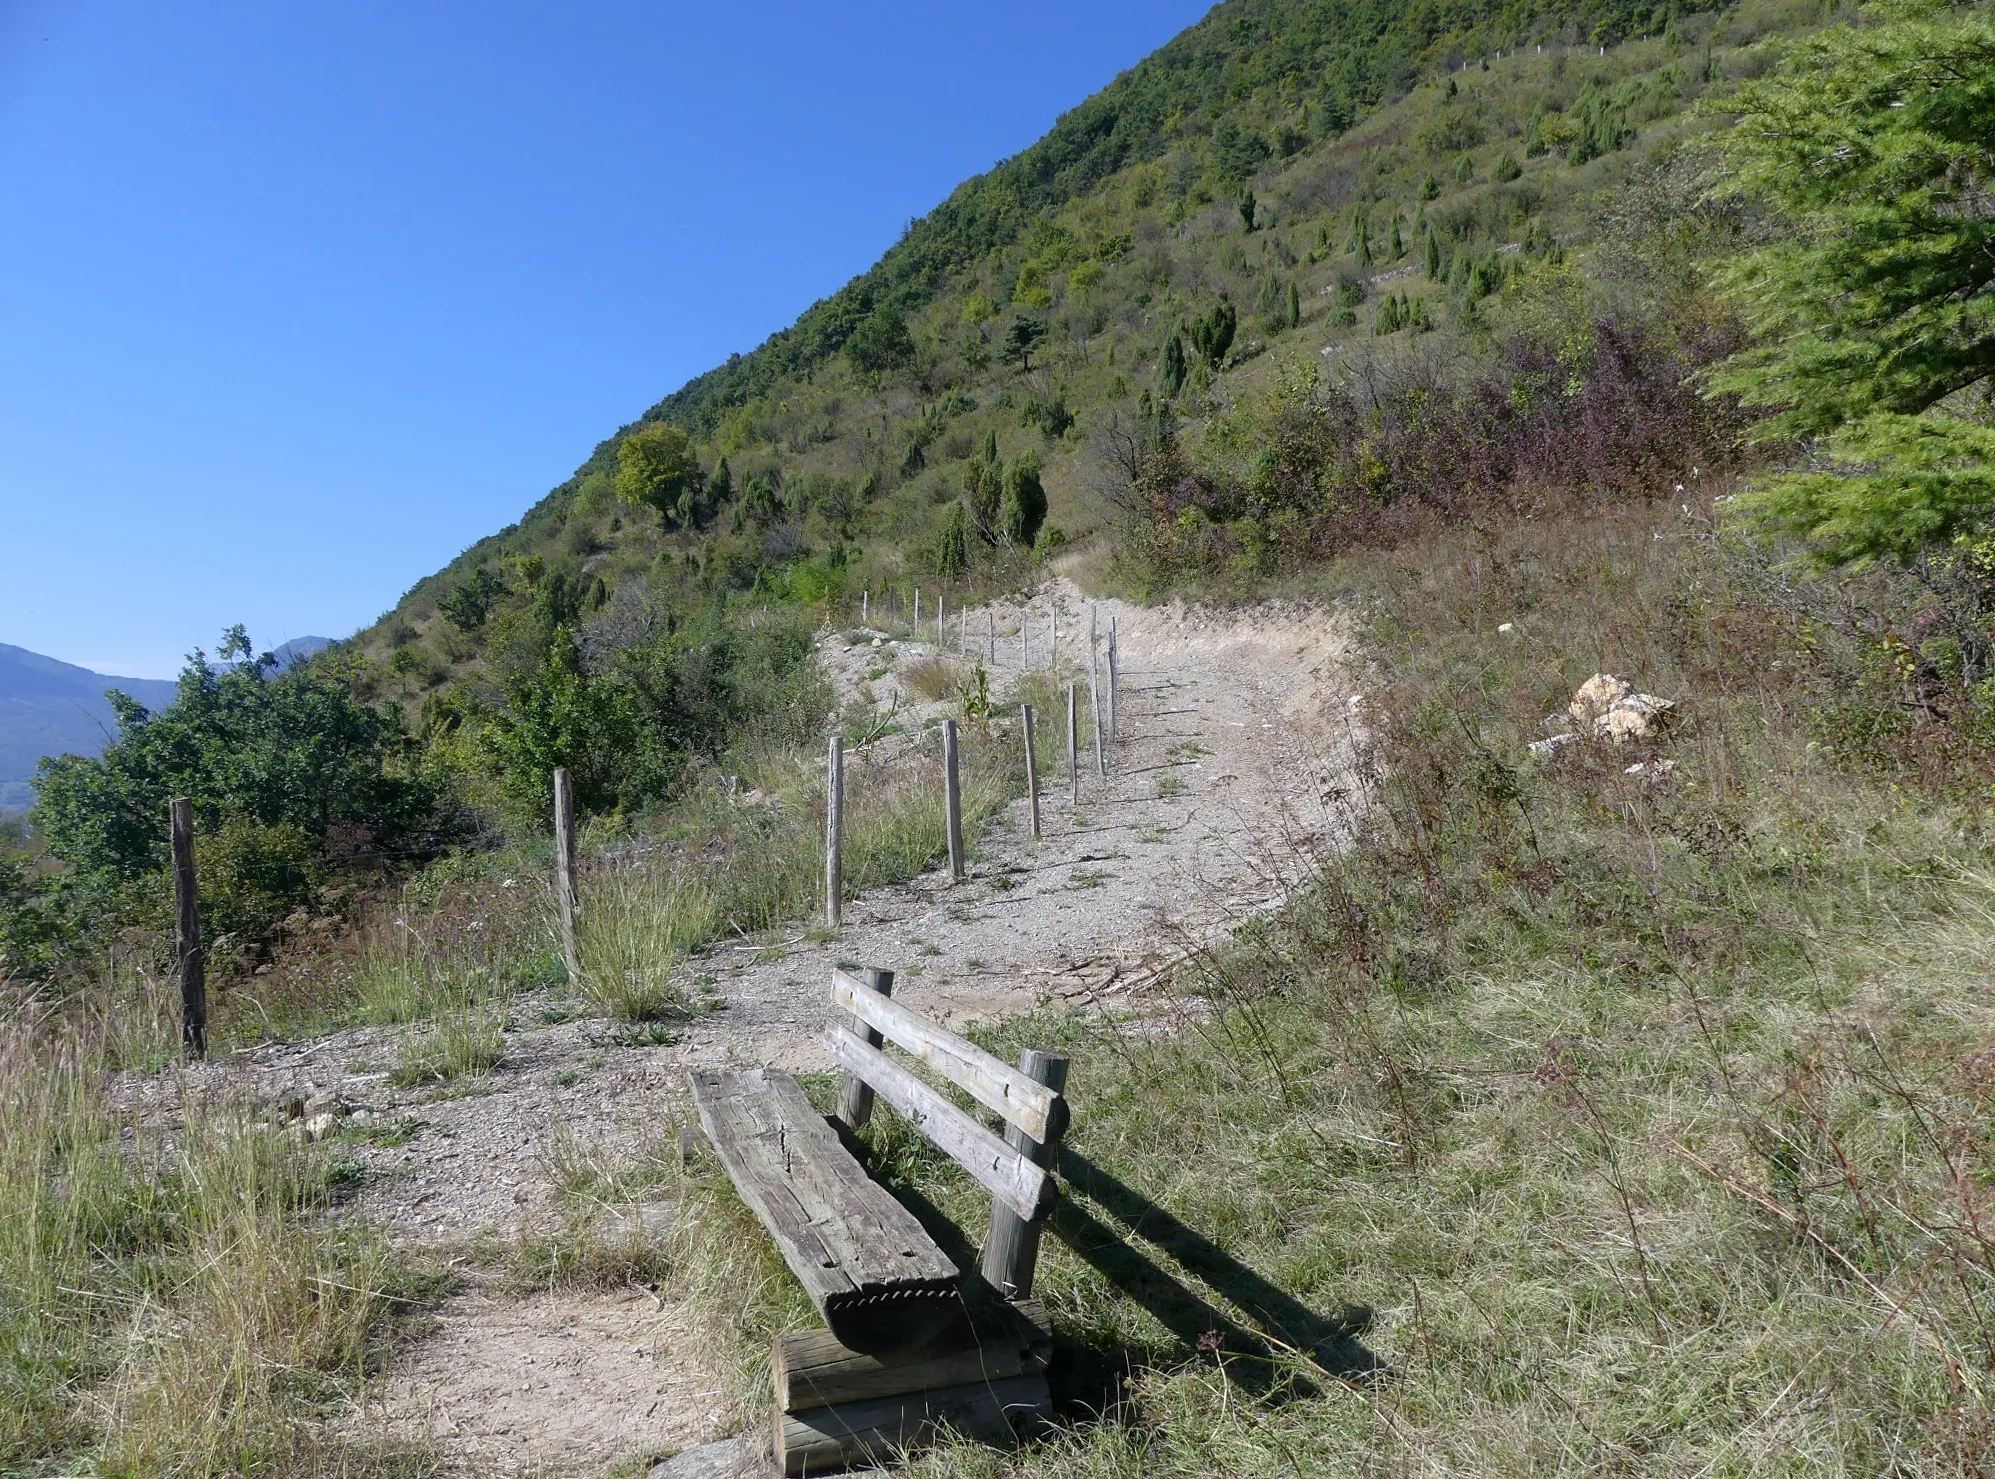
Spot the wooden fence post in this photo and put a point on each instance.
(866, 606)
(914, 628)
(564, 871)
(834, 835)
(1094, 706)
(855, 1095)
(1011, 1251)
(1111, 680)
(952, 796)
(1031, 769)
(189, 962)
(1074, 741)
(941, 622)
(992, 615)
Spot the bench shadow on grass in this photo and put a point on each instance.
(1271, 1360)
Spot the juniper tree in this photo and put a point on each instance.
(1171, 365)
(1024, 508)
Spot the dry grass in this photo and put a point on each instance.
(169, 1306)
(1572, 1122)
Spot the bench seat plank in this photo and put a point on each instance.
(879, 1280)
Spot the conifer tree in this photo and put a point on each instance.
(1171, 365)
(1874, 314)
(952, 555)
(1024, 508)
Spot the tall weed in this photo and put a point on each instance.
(169, 1305)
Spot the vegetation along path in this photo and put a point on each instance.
(1230, 752)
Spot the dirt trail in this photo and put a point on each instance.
(1232, 730)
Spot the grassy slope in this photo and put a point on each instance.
(1169, 193)
(1577, 1122)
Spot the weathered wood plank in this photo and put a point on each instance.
(874, 1274)
(812, 1369)
(1006, 1174)
(1037, 1110)
(827, 1439)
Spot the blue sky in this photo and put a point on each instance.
(297, 300)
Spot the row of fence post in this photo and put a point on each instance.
(190, 961)
(990, 644)
(952, 786)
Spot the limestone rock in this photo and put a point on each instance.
(744, 1456)
(1611, 708)
(1595, 697)
(1638, 716)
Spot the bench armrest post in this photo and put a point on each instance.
(855, 1095)
(1011, 1251)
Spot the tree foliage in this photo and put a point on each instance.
(1021, 339)
(1212, 333)
(293, 749)
(1024, 503)
(1873, 310)
(656, 468)
(881, 342)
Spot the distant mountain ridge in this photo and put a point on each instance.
(49, 707)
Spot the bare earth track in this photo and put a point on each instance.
(1233, 735)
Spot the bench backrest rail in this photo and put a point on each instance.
(1034, 1108)
(1004, 1172)
(1031, 1099)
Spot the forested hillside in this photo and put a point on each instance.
(1284, 191)
(1585, 413)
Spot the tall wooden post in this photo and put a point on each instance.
(564, 871)
(834, 835)
(189, 963)
(941, 622)
(992, 615)
(914, 629)
(1032, 768)
(1011, 1250)
(1074, 741)
(865, 605)
(1111, 680)
(1094, 706)
(952, 798)
(855, 1095)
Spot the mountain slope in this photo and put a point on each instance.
(1116, 224)
(55, 708)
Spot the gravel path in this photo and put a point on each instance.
(1233, 736)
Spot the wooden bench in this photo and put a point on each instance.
(909, 1343)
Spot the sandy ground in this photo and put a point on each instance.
(1232, 741)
